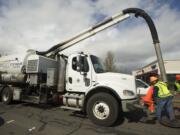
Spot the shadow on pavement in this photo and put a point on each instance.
(41, 106)
(1, 121)
(78, 114)
(139, 115)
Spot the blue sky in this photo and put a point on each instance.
(40, 24)
(174, 4)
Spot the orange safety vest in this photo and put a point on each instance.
(148, 99)
(149, 96)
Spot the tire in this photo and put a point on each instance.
(6, 95)
(102, 109)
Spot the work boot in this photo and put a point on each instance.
(170, 123)
(174, 123)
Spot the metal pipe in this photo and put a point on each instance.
(160, 62)
(92, 31)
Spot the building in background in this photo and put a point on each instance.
(172, 68)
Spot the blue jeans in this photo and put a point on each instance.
(165, 104)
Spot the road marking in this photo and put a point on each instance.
(10, 121)
(31, 129)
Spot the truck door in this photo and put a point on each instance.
(78, 79)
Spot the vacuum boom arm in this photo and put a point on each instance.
(108, 23)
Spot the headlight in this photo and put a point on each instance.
(128, 93)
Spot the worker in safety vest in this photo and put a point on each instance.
(177, 83)
(163, 98)
(148, 99)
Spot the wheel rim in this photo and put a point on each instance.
(101, 110)
(5, 96)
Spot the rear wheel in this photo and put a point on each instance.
(103, 109)
(6, 95)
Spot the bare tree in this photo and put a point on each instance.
(110, 62)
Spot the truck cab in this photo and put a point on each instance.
(85, 72)
(102, 95)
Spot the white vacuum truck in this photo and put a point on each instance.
(78, 82)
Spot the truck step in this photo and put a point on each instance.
(71, 108)
(31, 99)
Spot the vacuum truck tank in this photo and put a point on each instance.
(27, 68)
(11, 64)
(11, 69)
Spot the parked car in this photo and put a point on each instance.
(141, 87)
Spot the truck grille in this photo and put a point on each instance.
(32, 66)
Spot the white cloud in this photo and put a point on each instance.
(38, 25)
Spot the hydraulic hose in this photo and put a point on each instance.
(139, 12)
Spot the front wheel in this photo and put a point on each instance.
(6, 95)
(102, 109)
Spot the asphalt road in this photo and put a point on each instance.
(29, 119)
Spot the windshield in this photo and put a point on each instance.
(98, 66)
(141, 84)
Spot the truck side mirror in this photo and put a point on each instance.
(82, 64)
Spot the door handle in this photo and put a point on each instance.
(70, 79)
